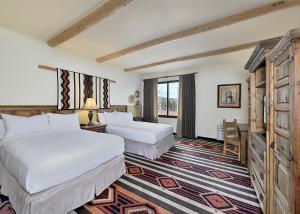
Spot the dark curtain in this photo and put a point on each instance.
(150, 100)
(187, 106)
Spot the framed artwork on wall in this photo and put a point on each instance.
(229, 96)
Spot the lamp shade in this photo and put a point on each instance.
(90, 104)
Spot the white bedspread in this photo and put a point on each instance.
(141, 131)
(44, 160)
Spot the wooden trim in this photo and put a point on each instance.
(295, 51)
(198, 55)
(25, 107)
(269, 132)
(283, 44)
(105, 10)
(30, 110)
(212, 25)
(45, 67)
(120, 108)
(259, 54)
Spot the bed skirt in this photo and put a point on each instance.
(151, 151)
(65, 197)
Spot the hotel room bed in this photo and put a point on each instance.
(150, 140)
(58, 171)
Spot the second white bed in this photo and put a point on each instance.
(150, 140)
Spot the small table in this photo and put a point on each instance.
(95, 128)
(243, 128)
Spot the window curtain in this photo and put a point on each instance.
(150, 100)
(186, 106)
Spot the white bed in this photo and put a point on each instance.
(150, 140)
(57, 171)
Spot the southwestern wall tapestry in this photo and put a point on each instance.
(74, 88)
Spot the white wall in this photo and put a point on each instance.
(22, 83)
(226, 69)
(208, 116)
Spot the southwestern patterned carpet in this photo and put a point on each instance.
(193, 177)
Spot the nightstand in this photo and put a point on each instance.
(95, 128)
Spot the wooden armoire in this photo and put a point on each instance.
(258, 153)
(274, 121)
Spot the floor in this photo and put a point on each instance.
(193, 177)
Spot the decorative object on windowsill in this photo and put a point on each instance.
(131, 99)
(90, 105)
(229, 96)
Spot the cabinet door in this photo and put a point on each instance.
(283, 145)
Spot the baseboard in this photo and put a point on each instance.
(209, 138)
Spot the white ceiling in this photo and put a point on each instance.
(43, 18)
(143, 20)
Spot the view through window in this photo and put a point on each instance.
(168, 99)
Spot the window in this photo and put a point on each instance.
(168, 99)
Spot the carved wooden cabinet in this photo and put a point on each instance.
(258, 154)
(274, 117)
(285, 124)
(258, 167)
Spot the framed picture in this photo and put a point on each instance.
(229, 96)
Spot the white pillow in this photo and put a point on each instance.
(102, 118)
(112, 117)
(63, 121)
(126, 117)
(2, 129)
(118, 117)
(16, 125)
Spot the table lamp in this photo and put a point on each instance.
(90, 104)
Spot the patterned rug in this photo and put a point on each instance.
(193, 177)
(5, 206)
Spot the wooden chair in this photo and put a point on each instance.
(232, 141)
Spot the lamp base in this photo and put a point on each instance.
(90, 115)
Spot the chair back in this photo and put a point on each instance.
(230, 129)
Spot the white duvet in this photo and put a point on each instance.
(44, 160)
(141, 131)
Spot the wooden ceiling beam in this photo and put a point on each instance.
(200, 55)
(212, 25)
(89, 20)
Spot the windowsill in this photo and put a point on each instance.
(165, 116)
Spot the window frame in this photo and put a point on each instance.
(167, 82)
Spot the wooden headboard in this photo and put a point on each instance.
(36, 110)
(121, 108)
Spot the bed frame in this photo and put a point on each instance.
(63, 198)
(151, 151)
(66, 197)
